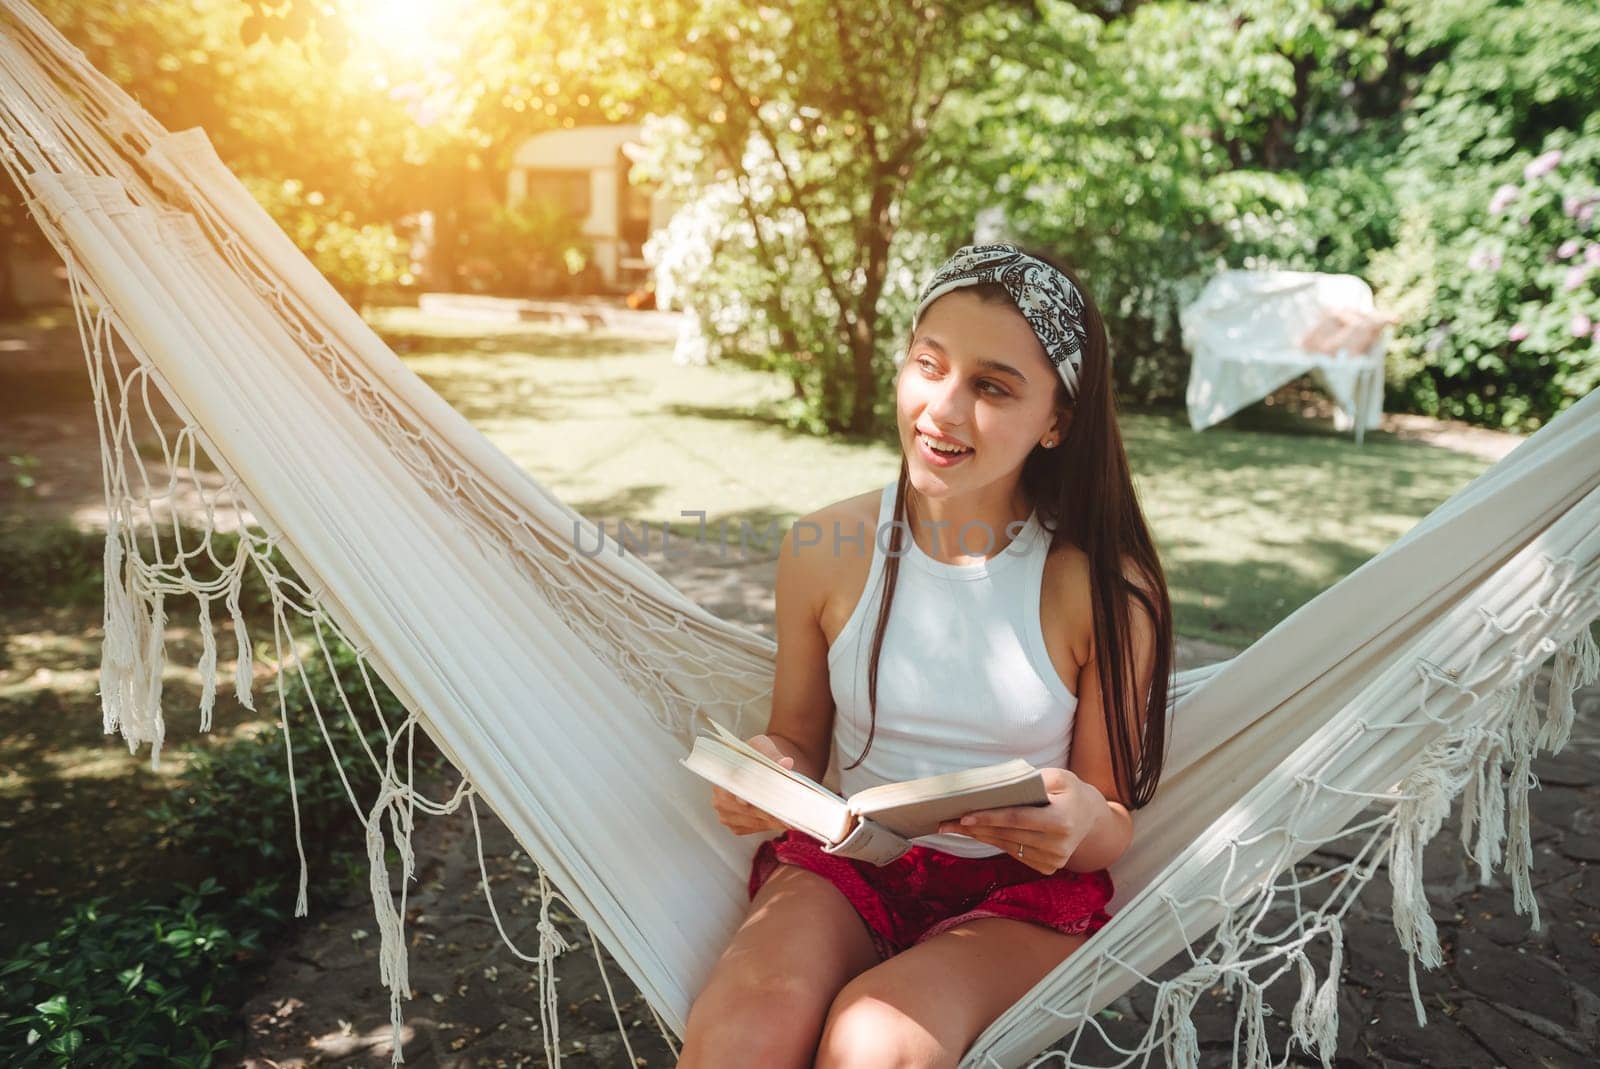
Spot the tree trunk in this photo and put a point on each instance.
(863, 326)
(791, 344)
(10, 306)
(828, 401)
(863, 381)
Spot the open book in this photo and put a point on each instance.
(873, 825)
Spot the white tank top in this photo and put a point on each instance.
(964, 678)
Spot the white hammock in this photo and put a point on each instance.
(538, 669)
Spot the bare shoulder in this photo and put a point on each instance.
(1067, 605)
(831, 551)
(826, 533)
(1066, 611)
(859, 506)
(810, 567)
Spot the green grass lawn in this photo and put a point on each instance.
(1253, 518)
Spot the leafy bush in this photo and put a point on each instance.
(50, 564)
(759, 299)
(137, 984)
(130, 986)
(534, 248)
(357, 257)
(232, 804)
(62, 565)
(1505, 293)
(1152, 150)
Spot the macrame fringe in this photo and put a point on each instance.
(1468, 763)
(208, 664)
(1496, 803)
(134, 653)
(393, 967)
(1315, 1020)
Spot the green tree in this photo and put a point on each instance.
(796, 133)
(1152, 149)
(340, 139)
(447, 115)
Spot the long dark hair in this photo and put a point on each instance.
(1084, 495)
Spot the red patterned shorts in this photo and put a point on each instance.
(927, 891)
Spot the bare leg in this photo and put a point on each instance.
(923, 1007)
(769, 992)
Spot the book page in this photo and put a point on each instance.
(735, 742)
(913, 814)
(791, 799)
(941, 785)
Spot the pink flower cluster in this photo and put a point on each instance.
(1578, 273)
(1581, 324)
(1574, 206)
(1542, 165)
(1484, 260)
(1580, 208)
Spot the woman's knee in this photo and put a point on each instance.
(869, 1026)
(769, 993)
(761, 1019)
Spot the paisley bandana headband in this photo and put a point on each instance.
(1047, 298)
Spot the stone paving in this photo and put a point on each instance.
(1505, 996)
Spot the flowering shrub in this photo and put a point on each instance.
(759, 298)
(1445, 150)
(1502, 302)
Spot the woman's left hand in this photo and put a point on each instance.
(1048, 834)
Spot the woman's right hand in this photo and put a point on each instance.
(738, 815)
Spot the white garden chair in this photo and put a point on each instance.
(1247, 334)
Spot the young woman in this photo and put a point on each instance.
(1001, 599)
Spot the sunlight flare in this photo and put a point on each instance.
(405, 30)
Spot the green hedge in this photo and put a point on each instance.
(132, 985)
(231, 806)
